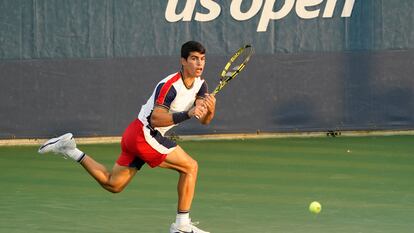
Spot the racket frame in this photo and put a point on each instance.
(227, 75)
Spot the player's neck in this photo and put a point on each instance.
(187, 79)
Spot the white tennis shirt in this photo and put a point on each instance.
(171, 93)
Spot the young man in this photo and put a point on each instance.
(176, 98)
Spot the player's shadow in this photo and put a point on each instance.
(395, 107)
(294, 114)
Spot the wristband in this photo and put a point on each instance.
(179, 117)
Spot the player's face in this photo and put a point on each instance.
(194, 65)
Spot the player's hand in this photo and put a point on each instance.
(210, 102)
(199, 111)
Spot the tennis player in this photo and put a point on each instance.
(176, 98)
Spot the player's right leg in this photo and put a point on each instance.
(113, 181)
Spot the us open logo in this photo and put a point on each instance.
(305, 9)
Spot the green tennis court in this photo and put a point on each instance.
(365, 184)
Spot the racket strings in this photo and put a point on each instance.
(234, 66)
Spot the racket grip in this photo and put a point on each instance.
(197, 117)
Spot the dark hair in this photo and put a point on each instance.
(191, 46)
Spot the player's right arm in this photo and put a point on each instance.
(161, 117)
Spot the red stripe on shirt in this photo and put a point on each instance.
(166, 87)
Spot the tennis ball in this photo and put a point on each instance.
(315, 207)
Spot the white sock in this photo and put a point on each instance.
(182, 219)
(75, 154)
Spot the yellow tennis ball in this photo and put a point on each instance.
(315, 207)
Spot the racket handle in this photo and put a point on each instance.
(197, 117)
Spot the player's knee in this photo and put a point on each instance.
(196, 166)
(192, 167)
(115, 189)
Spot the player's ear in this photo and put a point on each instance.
(183, 61)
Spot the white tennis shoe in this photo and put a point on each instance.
(188, 228)
(64, 145)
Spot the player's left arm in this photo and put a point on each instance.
(209, 103)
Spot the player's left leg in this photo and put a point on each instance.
(187, 167)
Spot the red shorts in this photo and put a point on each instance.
(140, 144)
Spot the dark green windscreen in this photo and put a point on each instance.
(32, 29)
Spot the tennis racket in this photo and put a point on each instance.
(234, 66)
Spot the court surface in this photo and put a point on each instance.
(365, 184)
